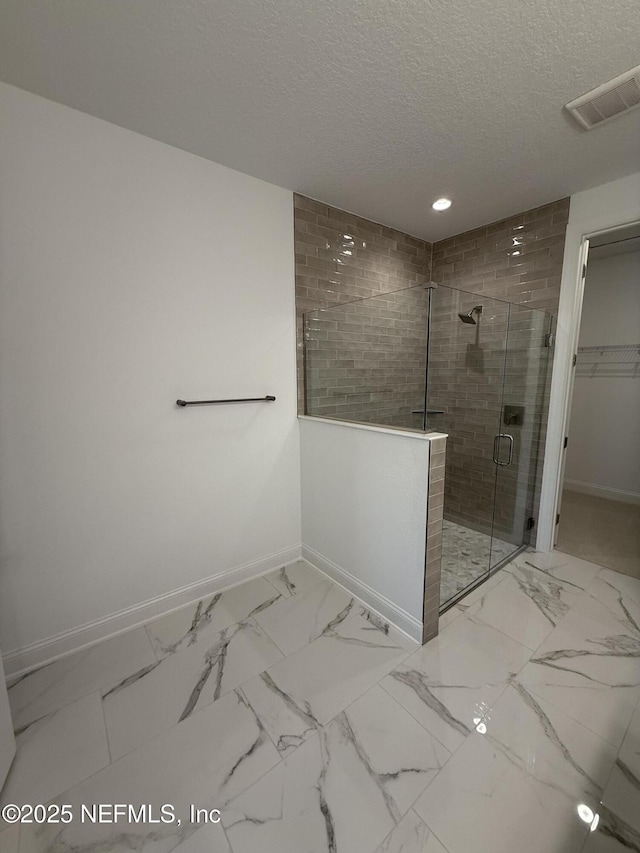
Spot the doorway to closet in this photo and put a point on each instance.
(600, 508)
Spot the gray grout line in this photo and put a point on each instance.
(106, 730)
(153, 649)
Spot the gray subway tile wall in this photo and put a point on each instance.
(365, 362)
(518, 260)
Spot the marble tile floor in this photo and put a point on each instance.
(466, 556)
(315, 728)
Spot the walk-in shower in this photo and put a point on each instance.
(404, 359)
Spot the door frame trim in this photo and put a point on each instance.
(591, 213)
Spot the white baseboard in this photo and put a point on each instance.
(389, 612)
(602, 492)
(45, 651)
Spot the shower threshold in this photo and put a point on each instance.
(466, 556)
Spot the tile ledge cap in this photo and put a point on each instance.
(406, 433)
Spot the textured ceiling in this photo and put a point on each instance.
(375, 106)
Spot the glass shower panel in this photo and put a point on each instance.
(517, 445)
(366, 360)
(437, 358)
(467, 342)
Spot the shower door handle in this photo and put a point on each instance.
(496, 449)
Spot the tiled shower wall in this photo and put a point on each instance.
(470, 380)
(365, 361)
(518, 260)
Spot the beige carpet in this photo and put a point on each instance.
(602, 531)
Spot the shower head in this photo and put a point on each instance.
(469, 318)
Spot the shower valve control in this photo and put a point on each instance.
(513, 415)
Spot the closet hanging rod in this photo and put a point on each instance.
(268, 399)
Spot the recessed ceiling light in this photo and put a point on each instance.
(441, 204)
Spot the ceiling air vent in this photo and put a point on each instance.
(612, 99)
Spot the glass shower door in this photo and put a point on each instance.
(516, 451)
(465, 379)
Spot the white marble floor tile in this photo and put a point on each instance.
(548, 744)
(296, 578)
(484, 800)
(289, 722)
(296, 621)
(411, 835)
(62, 682)
(28, 841)
(344, 789)
(57, 751)
(365, 723)
(622, 794)
(591, 670)
(378, 623)
(200, 622)
(296, 807)
(9, 839)
(311, 686)
(612, 595)
(571, 571)
(210, 838)
(392, 746)
(526, 606)
(456, 678)
(448, 617)
(612, 835)
(628, 587)
(207, 760)
(149, 702)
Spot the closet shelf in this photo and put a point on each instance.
(609, 359)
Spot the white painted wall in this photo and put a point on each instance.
(603, 456)
(134, 274)
(604, 207)
(364, 509)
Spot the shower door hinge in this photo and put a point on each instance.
(558, 518)
(575, 358)
(549, 339)
(584, 270)
(531, 523)
(566, 440)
